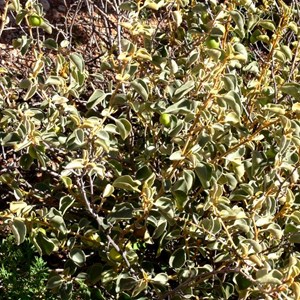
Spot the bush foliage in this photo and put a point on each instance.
(167, 165)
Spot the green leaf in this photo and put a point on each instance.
(54, 282)
(232, 118)
(254, 245)
(242, 282)
(182, 106)
(189, 177)
(95, 273)
(176, 156)
(242, 51)
(121, 211)
(56, 220)
(67, 181)
(215, 54)
(17, 206)
(45, 26)
(125, 283)
(212, 225)
(50, 44)
(141, 88)
(43, 244)
(30, 92)
(295, 238)
(20, 16)
(127, 183)
(267, 24)
(184, 89)
(252, 68)
(59, 223)
(269, 277)
(287, 51)
(78, 61)
(75, 164)
(278, 109)
(173, 66)
(161, 279)
(77, 256)
(180, 185)
(290, 228)
(97, 97)
(166, 206)
(230, 82)
(140, 286)
(76, 139)
(65, 203)
(144, 173)
(108, 190)
(178, 258)
(55, 80)
(193, 57)
(11, 138)
(181, 198)
(143, 54)
(204, 173)
(160, 229)
(218, 30)
(26, 161)
(177, 17)
(234, 101)
(238, 18)
(154, 5)
(19, 230)
(124, 127)
(296, 107)
(25, 84)
(292, 89)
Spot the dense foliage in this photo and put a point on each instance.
(165, 167)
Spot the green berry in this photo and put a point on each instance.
(205, 17)
(212, 43)
(114, 255)
(35, 21)
(165, 119)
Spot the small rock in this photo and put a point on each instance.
(45, 4)
(62, 8)
(2, 3)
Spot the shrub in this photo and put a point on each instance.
(205, 207)
(23, 275)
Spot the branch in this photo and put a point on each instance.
(81, 186)
(198, 278)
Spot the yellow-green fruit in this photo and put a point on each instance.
(165, 119)
(114, 255)
(204, 17)
(35, 21)
(212, 43)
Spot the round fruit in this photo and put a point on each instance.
(212, 43)
(35, 21)
(114, 255)
(204, 17)
(165, 119)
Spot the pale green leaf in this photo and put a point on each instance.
(19, 230)
(78, 60)
(124, 127)
(141, 88)
(126, 182)
(78, 256)
(178, 258)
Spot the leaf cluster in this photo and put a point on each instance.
(204, 205)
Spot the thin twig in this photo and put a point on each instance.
(81, 186)
(3, 17)
(199, 278)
